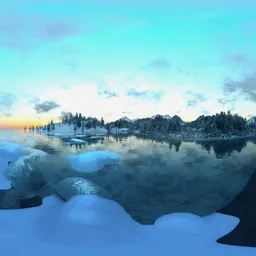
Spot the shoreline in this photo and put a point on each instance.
(219, 138)
(175, 137)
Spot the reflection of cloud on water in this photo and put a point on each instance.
(153, 175)
(193, 157)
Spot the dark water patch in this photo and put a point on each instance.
(142, 191)
(47, 148)
(243, 207)
(31, 202)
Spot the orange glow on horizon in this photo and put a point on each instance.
(21, 122)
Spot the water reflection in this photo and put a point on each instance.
(161, 176)
(223, 148)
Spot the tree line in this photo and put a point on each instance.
(219, 123)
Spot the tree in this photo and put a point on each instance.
(78, 123)
(102, 123)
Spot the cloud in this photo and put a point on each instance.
(183, 71)
(149, 94)
(228, 103)
(246, 87)
(7, 100)
(240, 61)
(195, 98)
(57, 30)
(204, 111)
(161, 64)
(45, 106)
(127, 112)
(236, 58)
(72, 65)
(108, 94)
(25, 30)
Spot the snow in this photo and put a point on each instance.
(90, 225)
(80, 136)
(8, 152)
(77, 141)
(163, 116)
(95, 226)
(94, 160)
(68, 130)
(251, 121)
(116, 130)
(97, 137)
(14, 170)
(125, 118)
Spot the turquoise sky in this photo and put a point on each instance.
(135, 58)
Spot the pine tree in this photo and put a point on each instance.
(78, 123)
(102, 123)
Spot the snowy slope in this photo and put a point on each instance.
(163, 116)
(251, 121)
(125, 118)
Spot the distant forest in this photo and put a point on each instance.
(222, 122)
(219, 123)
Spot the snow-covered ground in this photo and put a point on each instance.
(116, 130)
(93, 226)
(68, 130)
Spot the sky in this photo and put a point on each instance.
(109, 58)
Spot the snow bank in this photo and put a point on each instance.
(94, 160)
(8, 152)
(94, 226)
(90, 225)
(66, 130)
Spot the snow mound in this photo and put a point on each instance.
(90, 225)
(25, 163)
(8, 152)
(94, 160)
(73, 186)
